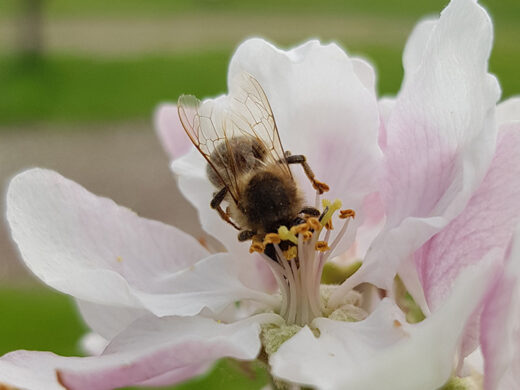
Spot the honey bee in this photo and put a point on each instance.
(246, 161)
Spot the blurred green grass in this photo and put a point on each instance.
(38, 318)
(61, 88)
(504, 9)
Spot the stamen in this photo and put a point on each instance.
(301, 228)
(322, 246)
(256, 246)
(272, 238)
(328, 225)
(307, 236)
(344, 214)
(320, 186)
(286, 235)
(291, 253)
(314, 223)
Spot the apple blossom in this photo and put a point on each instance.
(433, 176)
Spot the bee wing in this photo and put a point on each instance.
(203, 122)
(250, 114)
(245, 113)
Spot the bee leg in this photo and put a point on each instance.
(245, 235)
(301, 159)
(311, 211)
(215, 204)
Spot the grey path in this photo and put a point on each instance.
(122, 161)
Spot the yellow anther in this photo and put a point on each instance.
(291, 253)
(286, 235)
(256, 246)
(307, 236)
(328, 225)
(344, 214)
(332, 207)
(322, 246)
(314, 223)
(272, 238)
(301, 228)
(119, 259)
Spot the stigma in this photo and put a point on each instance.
(297, 255)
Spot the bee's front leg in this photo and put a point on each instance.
(215, 204)
(301, 159)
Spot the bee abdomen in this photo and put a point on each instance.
(271, 201)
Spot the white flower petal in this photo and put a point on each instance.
(91, 248)
(379, 350)
(170, 132)
(365, 72)
(108, 320)
(92, 344)
(417, 43)
(196, 188)
(324, 109)
(508, 110)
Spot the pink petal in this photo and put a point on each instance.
(151, 351)
(172, 349)
(487, 222)
(500, 327)
(170, 131)
(30, 370)
(440, 138)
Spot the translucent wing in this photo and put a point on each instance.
(250, 115)
(214, 125)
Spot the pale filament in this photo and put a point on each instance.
(299, 278)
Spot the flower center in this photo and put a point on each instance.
(297, 255)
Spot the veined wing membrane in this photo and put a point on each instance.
(246, 112)
(250, 114)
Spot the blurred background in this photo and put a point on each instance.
(79, 81)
